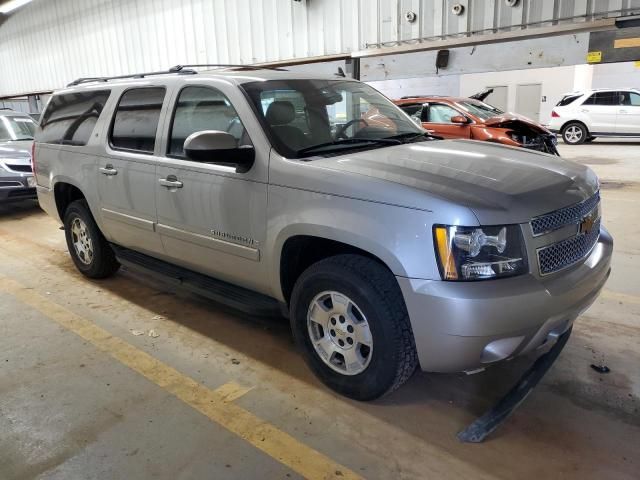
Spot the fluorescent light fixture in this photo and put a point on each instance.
(12, 5)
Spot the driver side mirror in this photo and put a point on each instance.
(213, 146)
(460, 119)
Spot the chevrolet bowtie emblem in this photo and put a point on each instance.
(586, 225)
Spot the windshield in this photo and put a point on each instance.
(315, 117)
(16, 128)
(479, 109)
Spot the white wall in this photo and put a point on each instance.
(444, 85)
(616, 75)
(555, 82)
(48, 43)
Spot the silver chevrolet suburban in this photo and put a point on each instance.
(272, 191)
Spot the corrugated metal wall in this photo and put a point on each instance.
(50, 42)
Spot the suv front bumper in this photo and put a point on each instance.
(464, 326)
(16, 187)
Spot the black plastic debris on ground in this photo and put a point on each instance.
(600, 368)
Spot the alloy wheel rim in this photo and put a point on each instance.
(339, 333)
(81, 240)
(573, 134)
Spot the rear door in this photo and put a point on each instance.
(127, 174)
(628, 119)
(211, 218)
(602, 109)
(436, 117)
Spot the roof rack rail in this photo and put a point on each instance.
(133, 75)
(179, 68)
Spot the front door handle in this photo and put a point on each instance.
(622, 111)
(170, 182)
(108, 170)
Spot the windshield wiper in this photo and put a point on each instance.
(409, 136)
(347, 141)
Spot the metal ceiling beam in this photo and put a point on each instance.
(510, 36)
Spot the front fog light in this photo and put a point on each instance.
(477, 253)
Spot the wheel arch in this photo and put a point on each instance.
(66, 191)
(299, 248)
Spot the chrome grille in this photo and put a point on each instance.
(565, 216)
(567, 252)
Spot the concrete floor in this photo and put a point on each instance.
(220, 395)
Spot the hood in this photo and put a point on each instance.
(499, 184)
(16, 149)
(513, 120)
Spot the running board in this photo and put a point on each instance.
(238, 298)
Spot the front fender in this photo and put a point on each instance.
(400, 237)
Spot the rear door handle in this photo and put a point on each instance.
(108, 170)
(622, 111)
(170, 182)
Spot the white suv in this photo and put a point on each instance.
(582, 116)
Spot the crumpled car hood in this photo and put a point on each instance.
(499, 184)
(513, 120)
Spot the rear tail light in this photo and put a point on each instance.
(33, 158)
(554, 114)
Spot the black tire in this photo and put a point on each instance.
(377, 294)
(590, 139)
(574, 133)
(103, 262)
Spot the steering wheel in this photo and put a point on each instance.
(341, 133)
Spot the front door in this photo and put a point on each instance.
(127, 176)
(628, 119)
(602, 109)
(211, 219)
(436, 117)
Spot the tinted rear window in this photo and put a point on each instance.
(567, 100)
(604, 98)
(70, 118)
(136, 119)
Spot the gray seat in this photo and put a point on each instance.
(279, 116)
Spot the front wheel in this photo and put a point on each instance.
(349, 318)
(89, 249)
(575, 133)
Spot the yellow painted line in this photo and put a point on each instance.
(626, 42)
(232, 391)
(213, 404)
(623, 297)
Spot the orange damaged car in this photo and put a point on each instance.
(454, 117)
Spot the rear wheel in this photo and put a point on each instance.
(89, 250)
(575, 133)
(349, 319)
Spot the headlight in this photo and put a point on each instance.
(478, 253)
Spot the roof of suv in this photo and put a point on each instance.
(594, 90)
(238, 74)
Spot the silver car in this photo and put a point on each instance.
(16, 138)
(387, 248)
